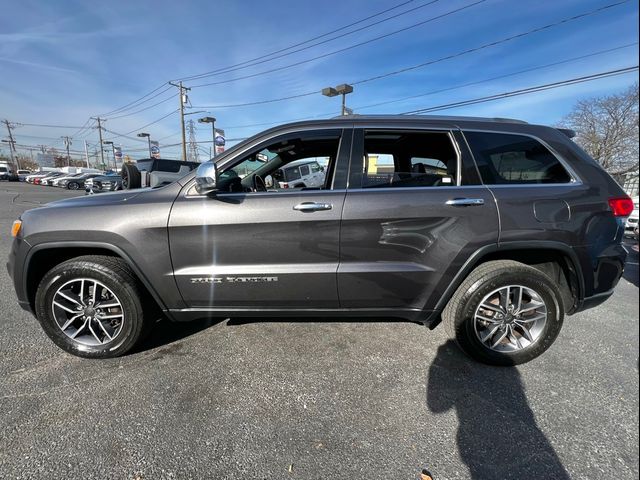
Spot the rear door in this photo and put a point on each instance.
(413, 214)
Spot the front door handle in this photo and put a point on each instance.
(465, 202)
(312, 206)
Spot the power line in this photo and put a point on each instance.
(430, 62)
(143, 109)
(131, 104)
(144, 126)
(46, 125)
(491, 44)
(524, 91)
(261, 60)
(303, 42)
(477, 82)
(77, 132)
(139, 101)
(344, 49)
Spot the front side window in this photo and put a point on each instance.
(408, 159)
(282, 164)
(504, 158)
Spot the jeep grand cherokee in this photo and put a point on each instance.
(494, 227)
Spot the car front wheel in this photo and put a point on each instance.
(91, 306)
(505, 313)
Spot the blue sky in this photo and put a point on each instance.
(62, 62)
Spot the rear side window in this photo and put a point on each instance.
(514, 159)
(168, 166)
(292, 174)
(400, 159)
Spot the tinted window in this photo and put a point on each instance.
(304, 170)
(292, 174)
(514, 159)
(408, 159)
(168, 166)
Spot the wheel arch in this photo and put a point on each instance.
(43, 257)
(556, 259)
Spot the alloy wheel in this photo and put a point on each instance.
(88, 312)
(510, 318)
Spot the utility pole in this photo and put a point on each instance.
(67, 144)
(12, 147)
(102, 165)
(182, 90)
(86, 153)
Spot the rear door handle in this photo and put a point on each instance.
(312, 206)
(465, 202)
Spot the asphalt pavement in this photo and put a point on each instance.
(319, 399)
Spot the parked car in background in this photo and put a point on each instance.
(75, 183)
(54, 182)
(5, 171)
(104, 183)
(22, 175)
(300, 174)
(42, 179)
(153, 172)
(45, 181)
(632, 222)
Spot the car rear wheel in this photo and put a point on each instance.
(91, 306)
(505, 313)
(73, 185)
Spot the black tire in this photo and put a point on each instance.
(130, 177)
(116, 275)
(73, 186)
(458, 316)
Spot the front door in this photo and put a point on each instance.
(254, 244)
(413, 213)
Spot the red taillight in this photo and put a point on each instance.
(621, 206)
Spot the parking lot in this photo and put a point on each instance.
(315, 398)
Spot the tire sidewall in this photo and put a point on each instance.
(119, 286)
(464, 323)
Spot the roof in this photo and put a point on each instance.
(433, 118)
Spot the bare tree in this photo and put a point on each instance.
(607, 128)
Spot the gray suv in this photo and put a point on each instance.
(493, 227)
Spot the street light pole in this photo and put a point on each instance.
(343, 89)
(212, 121)
(142, 135)
(113, 149)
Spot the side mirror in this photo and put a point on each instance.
(207, 178)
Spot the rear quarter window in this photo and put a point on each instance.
(510, 159)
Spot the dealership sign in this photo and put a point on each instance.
(219, 140)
